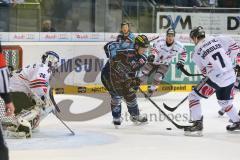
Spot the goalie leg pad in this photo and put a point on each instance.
(32, 116)
(20, 129)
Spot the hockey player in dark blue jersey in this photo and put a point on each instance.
(119, 76)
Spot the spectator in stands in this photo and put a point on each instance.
(229, 3)
(5, 6)
(126, 37)
(47, 26)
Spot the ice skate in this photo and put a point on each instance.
(235, 126)
(195, 130)
(117, 122)
(221, 113)
(139, 120)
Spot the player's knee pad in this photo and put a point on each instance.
(226, 104)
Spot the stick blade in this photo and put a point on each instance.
(169, 108)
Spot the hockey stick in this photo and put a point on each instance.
(72, 132)
(187, 73)
(53, 100)
(154, 38)
(59, 111)
(168, 118)
(174, 108)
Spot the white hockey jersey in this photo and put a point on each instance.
(164, 54)
(34, 77)
(214, 56)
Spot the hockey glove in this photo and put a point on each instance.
(132, 83)
(180, 64)
(237, 70)
(135, 82)
(151, 90)
(151, 58)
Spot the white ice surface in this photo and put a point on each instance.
(99, 140)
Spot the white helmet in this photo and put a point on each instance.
(51, 58)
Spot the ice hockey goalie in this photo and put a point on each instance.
(29, 88)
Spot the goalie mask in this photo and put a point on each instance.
(51, 58)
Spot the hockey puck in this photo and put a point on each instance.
(168, 128)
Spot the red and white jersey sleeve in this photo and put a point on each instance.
(232, 48)
(164, 53)
(36, 77)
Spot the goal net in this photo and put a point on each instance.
(13, 56)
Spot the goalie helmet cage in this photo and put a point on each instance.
(13, 55)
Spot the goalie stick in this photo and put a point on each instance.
(168, 118)
(59, 111)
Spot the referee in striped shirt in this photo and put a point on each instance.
(4, 94)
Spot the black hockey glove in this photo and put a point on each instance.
(151, 58)
(135, 82)
(237, 70)
(180, 64)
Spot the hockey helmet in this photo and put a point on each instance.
(51, 58)
(197, 32)
(142, 41)
(170, 31)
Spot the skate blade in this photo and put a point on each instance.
(116, 126)
(140, 123)
(193, 134)
(234, 132)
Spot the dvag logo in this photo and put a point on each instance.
(233, 22)
(167, 21)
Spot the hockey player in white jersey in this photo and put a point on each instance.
(162, 53)
(211, 58)
(233, 50)
(29, 87)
